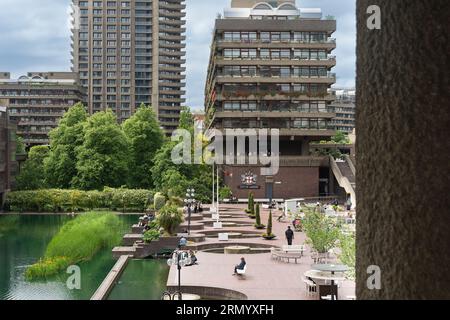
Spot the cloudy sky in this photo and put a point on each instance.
(35, 36)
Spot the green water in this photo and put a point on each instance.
(136, 283)
(23, 240)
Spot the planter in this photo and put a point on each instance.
(272, 237)
(260, 227)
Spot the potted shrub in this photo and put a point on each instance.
(151, 235)
(169, 218)
(258, 224)
(250, 203)
(269, 235)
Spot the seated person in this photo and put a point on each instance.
(240, 266)
(183, 242)
(193, 257)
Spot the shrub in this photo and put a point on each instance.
(269, 233)
(78, 240)
(258, 224)
(322, 232)
(169, 218)
(159, 201)
(347, 256)
(151, 235)
(225, 193)
(57, 200)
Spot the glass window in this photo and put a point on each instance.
(265, 36)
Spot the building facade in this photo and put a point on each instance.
(37, 101)
(345, 108)
(131, 52)
(8, 164)
(270, 68)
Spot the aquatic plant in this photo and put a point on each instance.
(78, 240)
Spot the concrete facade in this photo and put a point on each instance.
(271, 69)
(8, 164)
(38, 101)
(403, 155)
(130, 53)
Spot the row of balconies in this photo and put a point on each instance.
(279, 45)
(330, 78)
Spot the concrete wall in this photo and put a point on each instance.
(403, 150)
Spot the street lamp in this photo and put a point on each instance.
(190, 194)
(179, 259)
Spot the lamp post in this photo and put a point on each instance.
(179, 259)
(190, 194)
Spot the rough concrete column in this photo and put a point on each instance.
(404, 149)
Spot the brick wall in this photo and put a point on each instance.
(295, 182)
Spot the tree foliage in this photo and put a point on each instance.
(32, 175)
(145, 138)
(102, 159)
(60, 166)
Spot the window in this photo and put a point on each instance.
(265, 36)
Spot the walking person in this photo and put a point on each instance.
(289, 236)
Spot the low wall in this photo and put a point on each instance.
(210, 292)
(110, 281)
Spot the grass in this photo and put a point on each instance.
(77, 241)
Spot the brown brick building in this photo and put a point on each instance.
(270, 68)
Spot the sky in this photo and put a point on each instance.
(35, 36)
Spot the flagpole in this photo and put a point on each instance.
(213, 186)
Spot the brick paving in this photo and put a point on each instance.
(265, 278)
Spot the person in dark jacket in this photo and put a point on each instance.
(240, 266)
(289, 236)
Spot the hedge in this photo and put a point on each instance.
(57, 200)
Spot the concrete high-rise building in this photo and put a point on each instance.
(8, 163)
(37, 101)
(345, 108)
(270, 68)
(129, 52)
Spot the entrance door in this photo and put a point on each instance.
(269, 191)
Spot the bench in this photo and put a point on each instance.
(293, 249)
(280, 255)
(241, 272)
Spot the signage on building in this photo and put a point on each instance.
(249, 180)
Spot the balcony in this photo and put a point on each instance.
(330, 78)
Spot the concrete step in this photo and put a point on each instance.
(130, 239)
(123, 251)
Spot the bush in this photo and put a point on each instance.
(169, 218)
(78, 240)
(159, 201)
(57, 200)
(225, 193)
(151, 235)
(258, 224)
(269, 233)
(322, 232)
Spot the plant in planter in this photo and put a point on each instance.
(258, 224)
(251, 207)
(269, 235)
(250, 201)
(169, 218)
(151, 235)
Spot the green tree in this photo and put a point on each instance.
(145, 138)
(340, 138)
(322, 232)
(103, 158)
(173, 179)
(60, 166)
(32, 175)
(20, 146)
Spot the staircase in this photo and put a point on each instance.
(344, 171)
